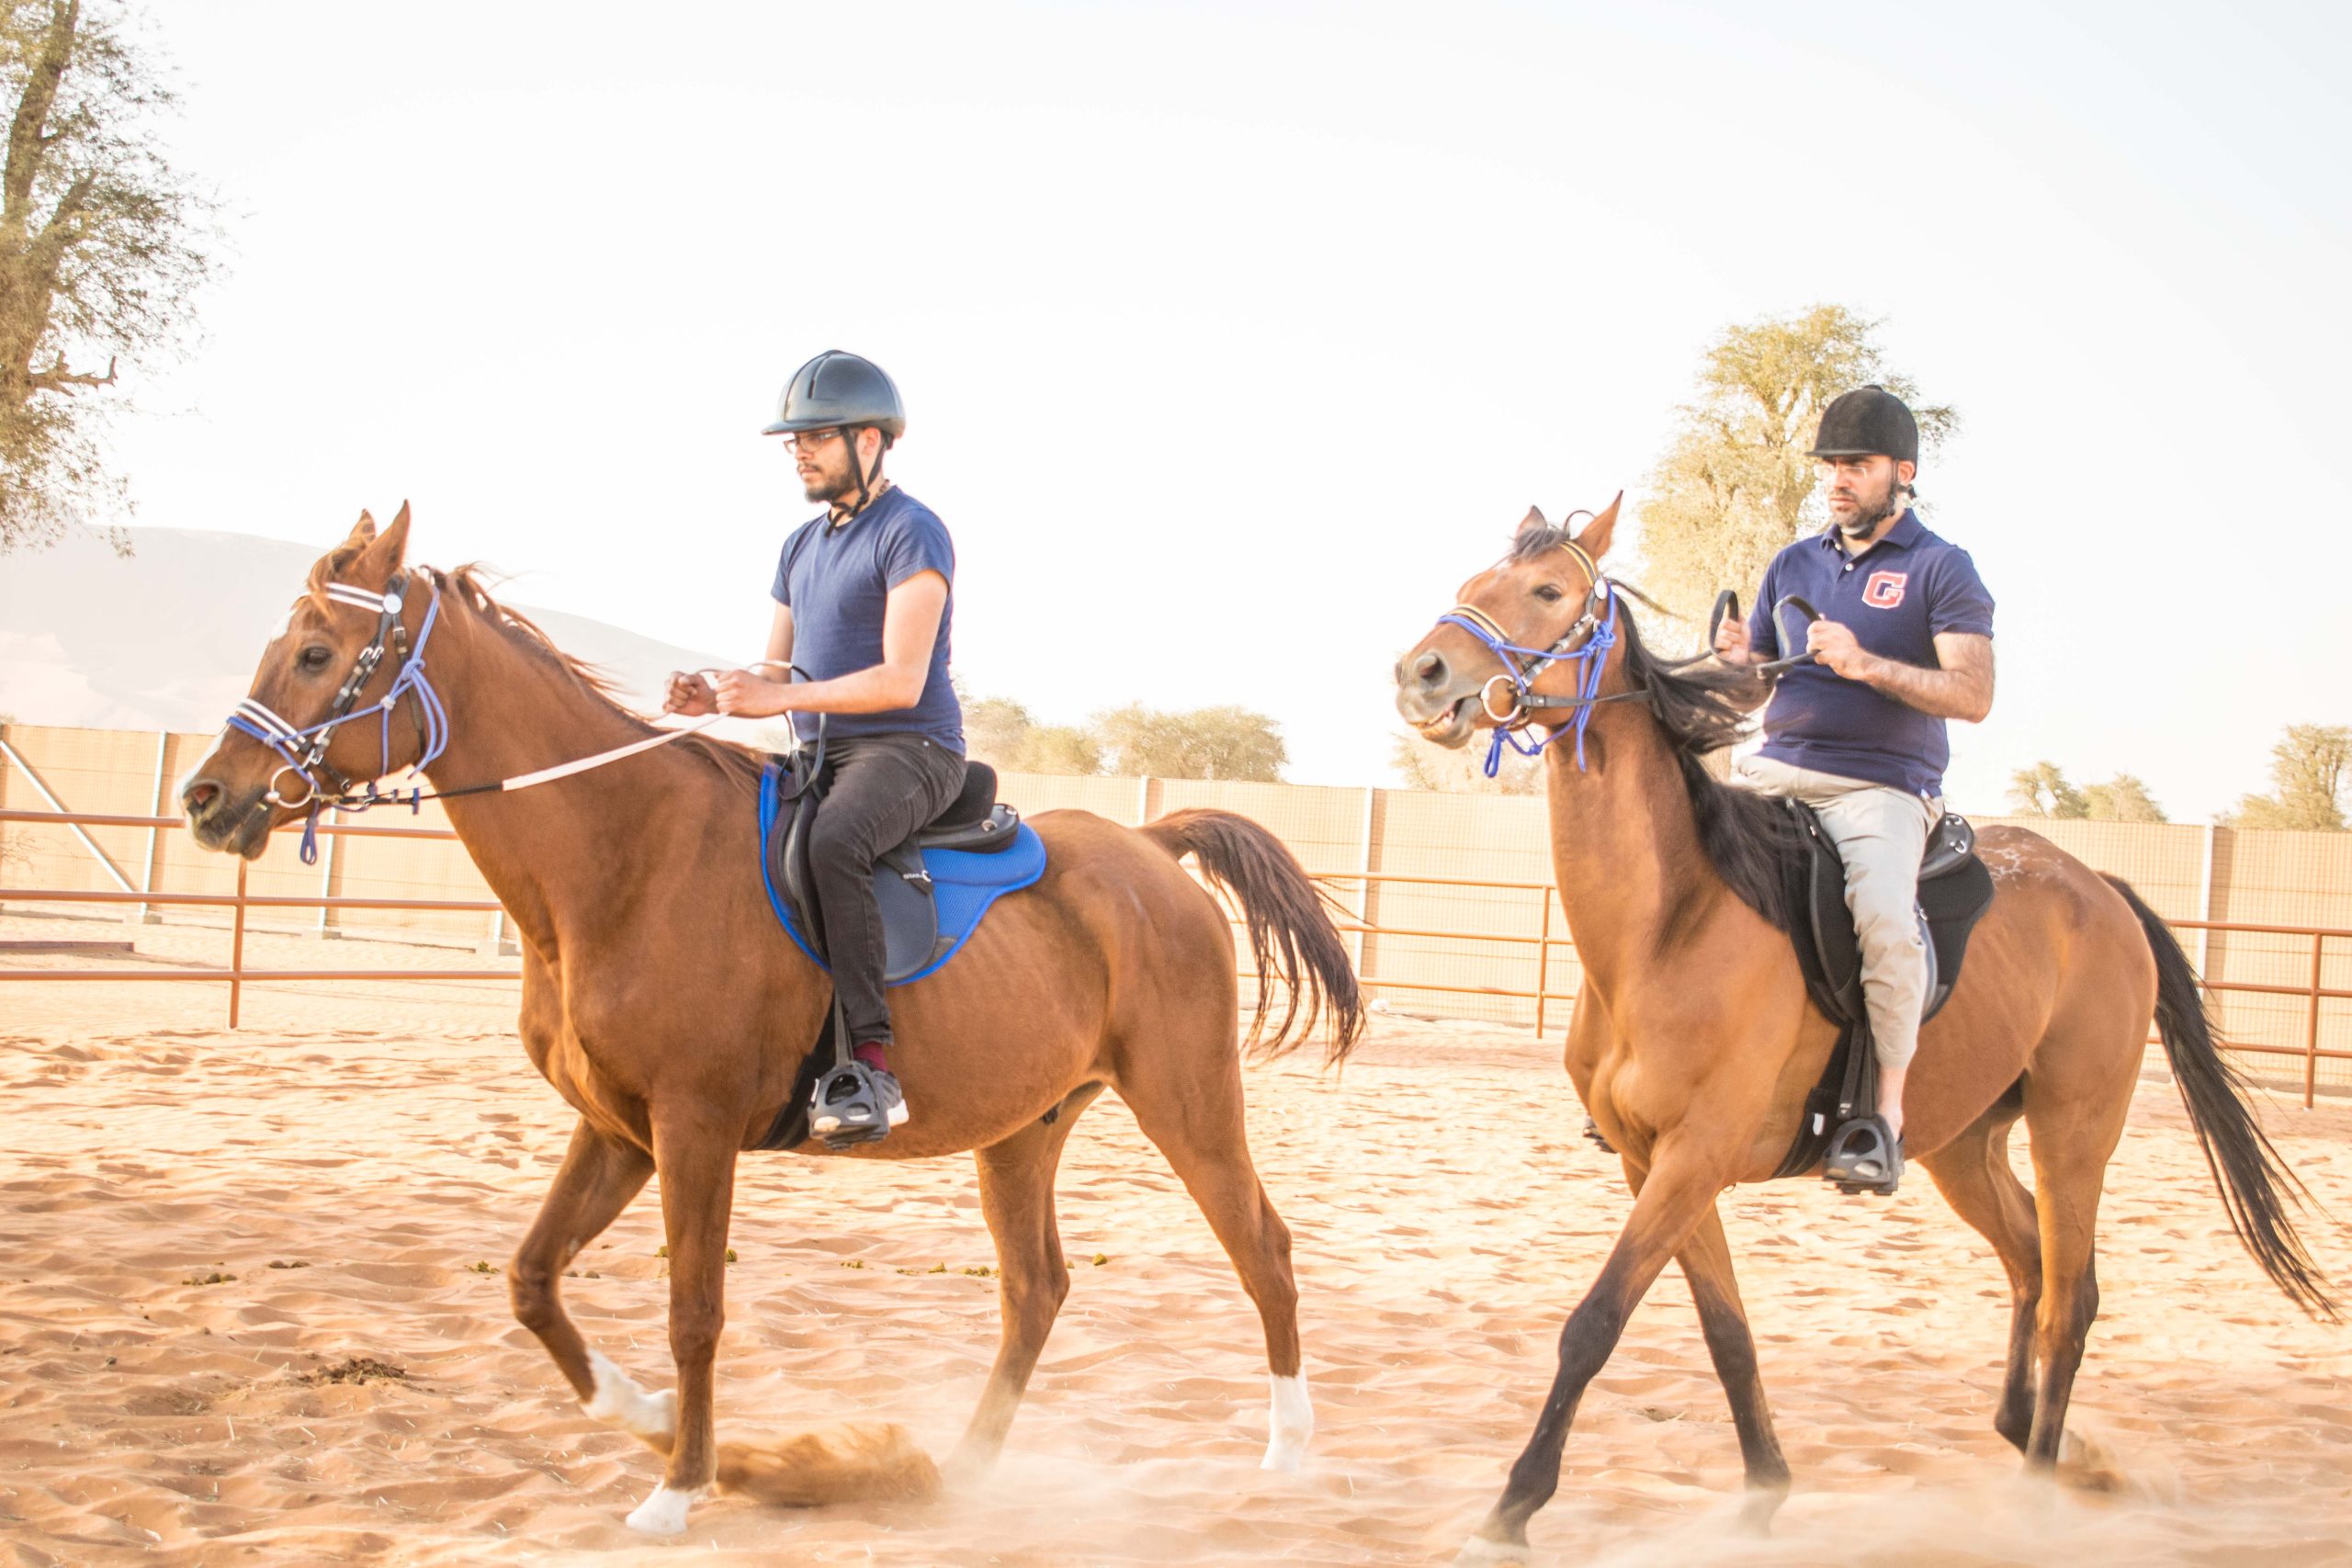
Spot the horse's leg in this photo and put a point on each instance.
(598, 1178)
(1198, 1129)
(698, 1166)
(1678, 1193)
(1972, 1172)
(1706, 1263)
(1017, 1198)
(2073, 1137)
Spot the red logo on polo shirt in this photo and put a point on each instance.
(1884, 589)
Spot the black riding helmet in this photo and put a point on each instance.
(841, 390)
(1866, 421)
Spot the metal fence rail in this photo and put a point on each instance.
(236, 974)
(1541, 937)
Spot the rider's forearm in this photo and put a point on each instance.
(879, 688)
(1963, 693)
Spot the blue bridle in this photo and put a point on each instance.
(256, 718)
(1590, 657)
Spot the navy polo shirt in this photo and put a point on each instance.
(837, 584)
(1895, 597)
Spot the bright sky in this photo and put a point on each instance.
(1234, 337)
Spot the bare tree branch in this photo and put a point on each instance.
(57, 378)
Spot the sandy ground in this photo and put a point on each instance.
(204, 1232)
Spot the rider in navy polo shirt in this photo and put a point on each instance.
(1905, 643)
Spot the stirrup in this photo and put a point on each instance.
(1593, 1135)
(1864, 1156)
(854, 1104)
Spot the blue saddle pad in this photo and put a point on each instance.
(963, 884)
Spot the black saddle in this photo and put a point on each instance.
(1954, 892)
(976, 823)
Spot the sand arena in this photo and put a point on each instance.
(254, 1313)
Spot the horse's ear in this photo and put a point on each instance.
(362, 533)
(385, 552)
(1534, 519)
(1596, 534)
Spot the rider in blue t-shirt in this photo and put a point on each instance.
(864, 608)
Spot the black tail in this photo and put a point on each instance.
(1289, 925)
(2256, 1187)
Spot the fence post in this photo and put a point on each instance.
(1364, 865)
(325, 927)
(2311, 1038)
(140, 915)
(237, 945)
(2205, 875)
(1542, 962)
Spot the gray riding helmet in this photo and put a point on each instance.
(838, 389)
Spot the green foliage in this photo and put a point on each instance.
(2042, 790)
(2123, 798)
(1423, 765)
(1734, 485)
(2307, 778)
(1206, 743)
(102, 244)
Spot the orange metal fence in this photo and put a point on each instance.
(1542, 938)
(236, 974)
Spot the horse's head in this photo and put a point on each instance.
(1455, 681)
(339, 647)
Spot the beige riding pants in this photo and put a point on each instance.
(1880, 832)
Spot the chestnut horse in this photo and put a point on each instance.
(660, 999)
(1693, 1042)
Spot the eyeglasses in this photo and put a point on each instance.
(798, 440)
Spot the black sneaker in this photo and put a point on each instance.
(856, 1104)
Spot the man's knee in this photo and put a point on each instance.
(837, 853)
(1886, 917)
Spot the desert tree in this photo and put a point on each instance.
(1734, 485)
(103, 244)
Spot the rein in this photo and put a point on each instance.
(256, 718)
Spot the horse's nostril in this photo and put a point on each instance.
(198, 796)
(1429, 668)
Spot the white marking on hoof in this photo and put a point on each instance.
(665, 1513)
(621, 1401)
(1290, 1422)
(1483, 1553)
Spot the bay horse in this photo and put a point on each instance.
(662, 1001)
(1693, 1041)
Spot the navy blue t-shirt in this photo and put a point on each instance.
(837, 584)
(1895, 597)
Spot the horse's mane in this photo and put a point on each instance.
(1702, 706)
(465, 588)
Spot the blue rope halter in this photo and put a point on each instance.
(1590, 657)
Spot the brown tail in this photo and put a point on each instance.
(1291, 931)
(2257, 1189)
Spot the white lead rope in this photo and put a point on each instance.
(565, 770)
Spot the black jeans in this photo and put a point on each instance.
(885, 789)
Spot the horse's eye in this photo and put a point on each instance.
(1549, 594)
(314, 657)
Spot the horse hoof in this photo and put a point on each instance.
(619, 1401)
(665, 1513)
(1484, 1553)
(1290, 1424)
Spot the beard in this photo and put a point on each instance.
(1871, 511)
(828, 488)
